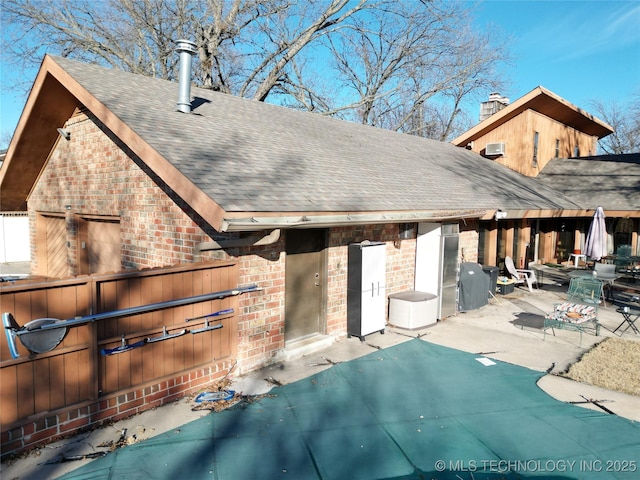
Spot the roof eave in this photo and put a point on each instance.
(248, 224)
(48, 106)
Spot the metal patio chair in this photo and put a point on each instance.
(580, 311)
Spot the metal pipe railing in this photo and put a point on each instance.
(152, 307)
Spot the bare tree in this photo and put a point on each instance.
(412, 66)
(381, 62)
(625, 120)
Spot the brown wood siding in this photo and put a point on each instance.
(75, 372)
(55, 246)
(518, 135)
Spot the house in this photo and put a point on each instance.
(114, 177)
(544, 136)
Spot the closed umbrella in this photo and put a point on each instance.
(596, 244)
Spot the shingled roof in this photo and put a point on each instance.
(240, 158)
(613, 181)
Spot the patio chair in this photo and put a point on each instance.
(521, 276)
(580, 311)
(623, 256)
(607, 274)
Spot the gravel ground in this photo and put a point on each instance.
(612, 364)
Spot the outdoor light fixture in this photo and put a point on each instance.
(66, 135)
(405, 231)
(500, 215)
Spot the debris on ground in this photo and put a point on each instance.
(236, 400)
(327, 361)
(272, 380)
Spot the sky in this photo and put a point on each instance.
(580, 50)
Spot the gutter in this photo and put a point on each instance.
(326, 221)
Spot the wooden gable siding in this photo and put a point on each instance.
(75, 372)
(52, 238)
(518, 135)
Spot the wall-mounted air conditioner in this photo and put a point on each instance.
(494, 149)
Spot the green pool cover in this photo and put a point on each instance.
(413, 411)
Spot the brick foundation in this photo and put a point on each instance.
(63, 423)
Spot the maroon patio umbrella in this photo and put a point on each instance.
(596, 244)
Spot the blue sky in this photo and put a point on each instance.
(580, 50)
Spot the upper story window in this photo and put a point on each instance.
(536, 136)
(557, 148)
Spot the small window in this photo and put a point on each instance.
(557, 148)
(576, 152)
(536, 135)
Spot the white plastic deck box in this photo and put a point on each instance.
(413, 309)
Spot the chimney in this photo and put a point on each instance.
(496, 103)
(186, 49)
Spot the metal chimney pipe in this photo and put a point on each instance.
(186, 49)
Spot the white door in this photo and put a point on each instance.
(428, 278)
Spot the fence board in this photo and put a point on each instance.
(38, 303)
(42, 379)
(9, 394)
(26, 394)
(106, 294)
(75, 372)
(88, 386)
(57, 383)
(71, 362)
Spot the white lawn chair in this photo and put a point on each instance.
(520, 275)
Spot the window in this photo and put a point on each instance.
(557, 148)
(535, 149)
(576, 152)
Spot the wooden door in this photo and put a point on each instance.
(99, 245)
(52, 246)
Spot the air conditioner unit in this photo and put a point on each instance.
(494, 149)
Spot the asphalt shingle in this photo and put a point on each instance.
(252, 156)
(616, 178)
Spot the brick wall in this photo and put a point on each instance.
(399, 275)
(469, 240)
(90, 175)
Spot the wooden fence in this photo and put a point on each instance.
(76, 373)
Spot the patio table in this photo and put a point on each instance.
(576, 258)
(630, 317)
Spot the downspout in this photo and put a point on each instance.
(254, 241)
